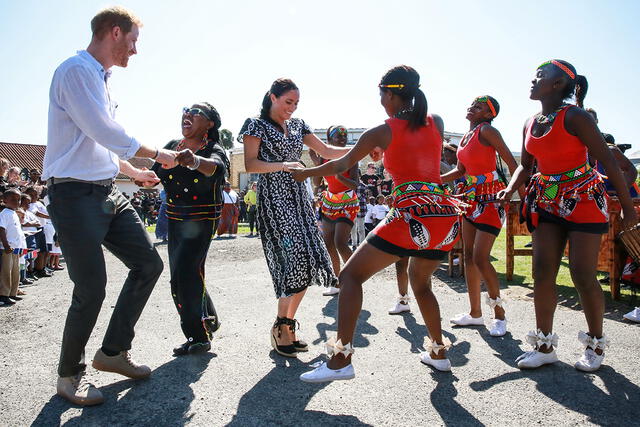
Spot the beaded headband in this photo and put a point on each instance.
(561, 66)
(395, 86)
(487, 100)
(339, 129)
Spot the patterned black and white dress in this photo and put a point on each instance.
(293, 246)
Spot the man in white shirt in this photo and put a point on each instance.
(86, 149)
(230, 212)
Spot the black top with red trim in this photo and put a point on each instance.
(191, 195)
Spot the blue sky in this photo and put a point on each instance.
(228, 53)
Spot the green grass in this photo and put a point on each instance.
(522, 270)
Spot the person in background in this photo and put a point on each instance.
(629, 171)
(380, 210)
(30, 226)
(162, 224)
(371, 179)
(485, 215)
(14, 179)
(358, 232)
(448, 162)
(11, 237)
(369, 217)
(251, 201)
(40, 211)
(340, 206)
(4, 168)
(386, 185)
(229, 217)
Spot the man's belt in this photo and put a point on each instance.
(103, 182)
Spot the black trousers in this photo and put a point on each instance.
(188, 246)
(252, 214)
(86, 217)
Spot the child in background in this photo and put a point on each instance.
(368, 218)
(11, 238)
(380, 210)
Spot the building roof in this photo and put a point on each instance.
(31, 156)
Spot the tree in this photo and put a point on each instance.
(226, 139)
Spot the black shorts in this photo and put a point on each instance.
(41, 241)
(587, 227)
(388, 247)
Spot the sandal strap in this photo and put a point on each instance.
(404, 299)
(434, 347)
(493, 303)
(334, 347)
(538, 339)
(592, 342)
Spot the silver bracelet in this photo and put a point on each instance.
(196, 163)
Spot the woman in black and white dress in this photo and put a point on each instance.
(293, 246)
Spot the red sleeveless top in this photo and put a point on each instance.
(333, 185)
(476, 157)
(558, 151)
(413, 155)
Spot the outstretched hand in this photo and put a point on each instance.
(185, 158)
(146, 178)
(299, 174)
(504, 196)
(167, 158)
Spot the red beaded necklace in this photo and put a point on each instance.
(180, 145)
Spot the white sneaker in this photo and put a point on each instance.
(439, 364)
(535, 359)
(331, 291)
(400, 306)
(465, 319)
(590, 361)
(498, 328)
(323, 374)
(633, 315)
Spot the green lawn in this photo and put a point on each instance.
(522, 270)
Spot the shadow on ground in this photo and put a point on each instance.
(577, 392)
(163, 399)
(328, 330)
(280, 398)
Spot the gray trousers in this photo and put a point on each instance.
(86, 217)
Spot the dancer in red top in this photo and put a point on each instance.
(340, 206)
(484, 215)
(565, 201)
(423, 223)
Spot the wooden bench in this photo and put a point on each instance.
(612, 255)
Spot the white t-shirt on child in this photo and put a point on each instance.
(11, 223)
(368, 217)
(39, 207)
(380, 211)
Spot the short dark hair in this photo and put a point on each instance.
(115, 16)
(12, 191)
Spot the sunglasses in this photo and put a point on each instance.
(195, 112)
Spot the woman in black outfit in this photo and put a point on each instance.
(193, 208)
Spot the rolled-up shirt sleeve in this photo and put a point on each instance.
(84, 98)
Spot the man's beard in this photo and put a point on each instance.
(121, 55)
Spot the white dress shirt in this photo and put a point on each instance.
(231, 197)
(84, 141)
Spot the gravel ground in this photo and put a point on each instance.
(241, 382)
